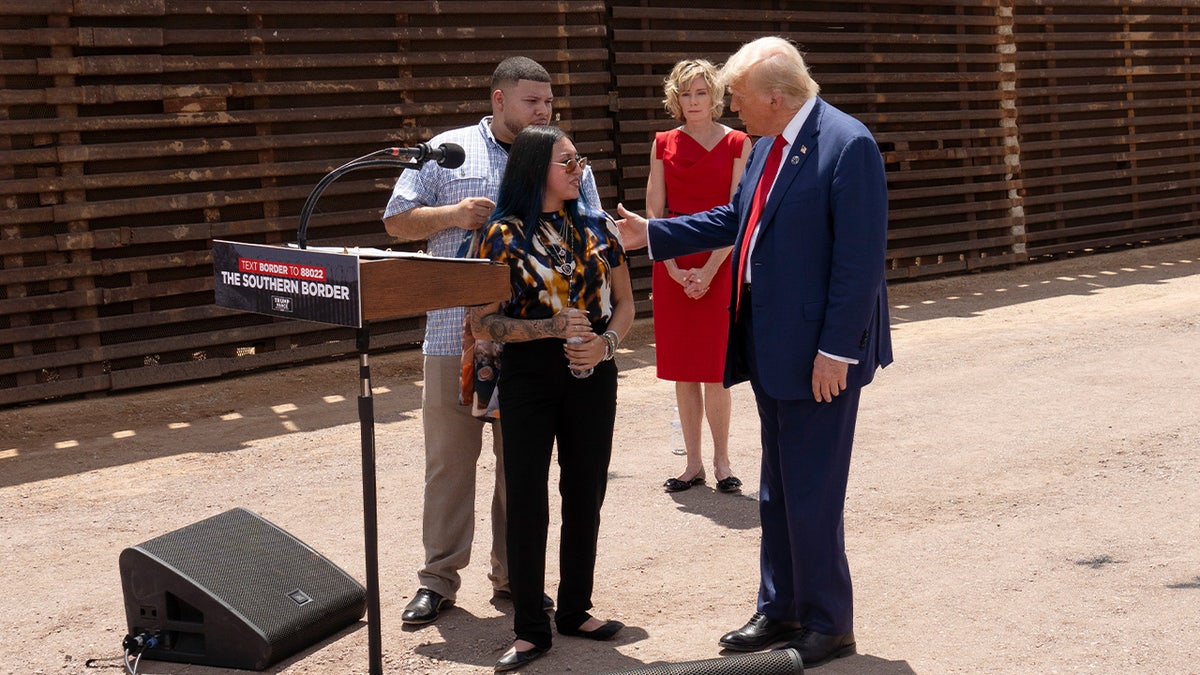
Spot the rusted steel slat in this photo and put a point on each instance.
(899, 229)
(390, 7)
(1118, 240)
(322, 114)
(1110, 212)
(735, 14)
(1028, 91)
(153, 318)
(1035, 34)
(1143, 108)
(1118, 18)
(1085, 73)
(105, 267)
(182, 201)
(35, 7)
(337, 35)
(194, 341)
(51, 390)
(62, 300)
(1190, 155)
(186, 147)
(951, 248)
(1068, 240)
(26, 245)
(1098, 201)
(122, 64)
(735, 37)
(935, 191)
(187, 175)
(95, 297)
(119, 8)
(1091, 5)
(1117, 53)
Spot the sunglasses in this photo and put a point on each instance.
(577, 162)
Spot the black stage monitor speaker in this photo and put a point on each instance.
(234, 591)
(778, 662)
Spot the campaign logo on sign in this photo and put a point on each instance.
(281, 303)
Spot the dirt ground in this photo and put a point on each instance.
(1025, 495)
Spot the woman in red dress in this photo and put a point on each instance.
(694, 168)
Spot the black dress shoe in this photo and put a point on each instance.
(515, 659)
(758, 632)
(424, 607)
(817, 648)
(604, 632)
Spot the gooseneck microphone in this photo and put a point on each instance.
(448, 155)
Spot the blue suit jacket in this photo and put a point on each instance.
(818, 266)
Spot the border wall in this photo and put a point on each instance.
(134, 132)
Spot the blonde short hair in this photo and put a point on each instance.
(774, 65)
(682, 76)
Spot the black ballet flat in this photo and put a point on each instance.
(729, 484)
(676, 485)
(515, 659)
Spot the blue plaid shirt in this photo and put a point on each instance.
(434, 185)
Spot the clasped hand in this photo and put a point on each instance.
(694, 281)
(588, 351)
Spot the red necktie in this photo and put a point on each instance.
(774, 158)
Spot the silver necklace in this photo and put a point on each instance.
(562, 255)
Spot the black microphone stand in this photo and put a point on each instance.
(366, 411)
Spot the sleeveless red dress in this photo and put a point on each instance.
(691, 334)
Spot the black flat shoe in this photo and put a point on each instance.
(424, 608)
(604, 632)
(817, 648)
(729, 484)
(676, 485)
(515, 659)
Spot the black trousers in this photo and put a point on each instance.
(542, 403)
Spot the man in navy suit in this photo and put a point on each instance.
(808, 327)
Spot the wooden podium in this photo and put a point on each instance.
(412, 286)
(343, 288)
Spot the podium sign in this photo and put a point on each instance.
(287, 282)
(347, 288)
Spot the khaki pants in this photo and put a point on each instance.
(453, 441)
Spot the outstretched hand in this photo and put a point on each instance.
(632, 227)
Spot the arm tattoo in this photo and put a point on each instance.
(501, 328)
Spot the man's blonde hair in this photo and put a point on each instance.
(682, 76)
(774, 65)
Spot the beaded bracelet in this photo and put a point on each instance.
(611, 340)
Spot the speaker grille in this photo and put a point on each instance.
(781, 662)
(250, 565)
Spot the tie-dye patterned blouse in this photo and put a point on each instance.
(558, 272)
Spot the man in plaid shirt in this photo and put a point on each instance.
(446, 207)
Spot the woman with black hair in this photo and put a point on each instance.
(571, 303)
